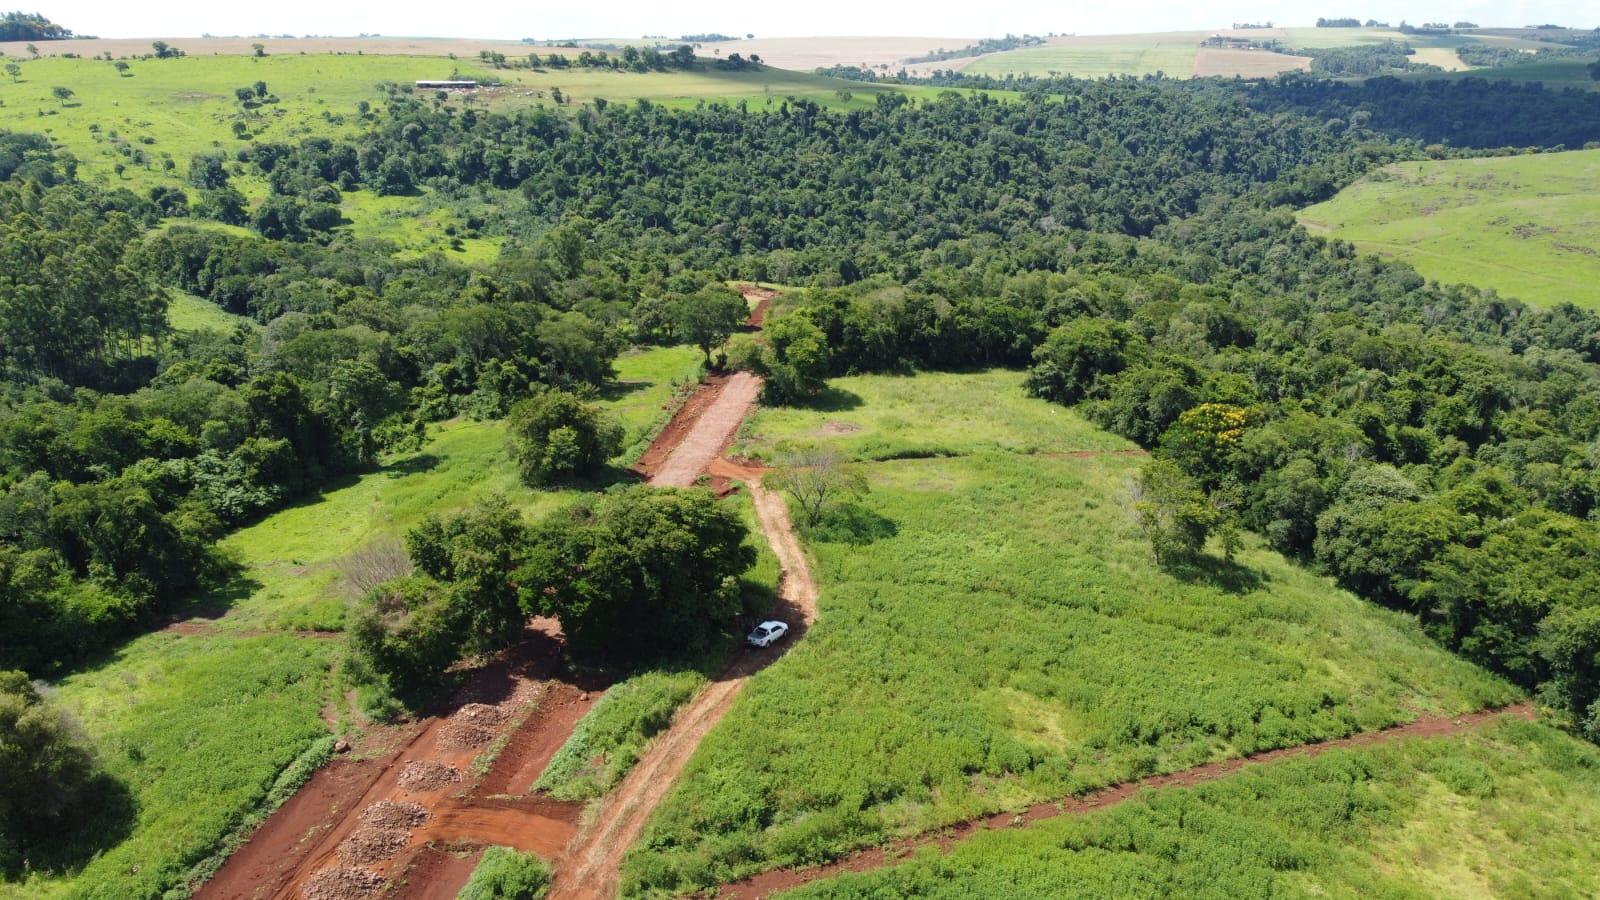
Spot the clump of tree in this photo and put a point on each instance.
(1175, 514)
(21, 26)
(46, 767)
(556, 436)
(639, 572)
(708, 317)
(792, 355)
(163, 50)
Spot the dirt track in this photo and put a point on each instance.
(591, 864)
(430, 764)
(712, 432)
(768, 883)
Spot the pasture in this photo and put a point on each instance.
(1526, 226)
(1098, 56)
(1066, 660)
(1499, 813)
(199, 721)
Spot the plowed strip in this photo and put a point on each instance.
(768, 883)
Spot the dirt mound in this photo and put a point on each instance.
(394, 814)
(342, 884)
(427, 775)
(369, 844)
(473, 725)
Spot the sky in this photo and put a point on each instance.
(634, 18)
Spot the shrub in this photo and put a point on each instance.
(505, 874)
(556, 436)
(45, 767)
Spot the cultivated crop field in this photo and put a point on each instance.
(1526, 226)
(1508, 811)
(1099, 56)
(1066, 660)
(199, 720)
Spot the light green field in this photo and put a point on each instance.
(187, 312)
(1506, 812)
(1328, 38)
(199, 725)
(1526, 226)
(1172, 52)
(992, 633)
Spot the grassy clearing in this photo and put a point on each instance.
(877, 418)
(1172, 52)
(199, 727)
(1508, 812)
(1526, 226)
(187, 312)
(615, 733)
(1065, 660)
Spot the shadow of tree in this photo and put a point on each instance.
(1224, 575)
(412, 465)
(613, 391)
(831, 399)
(103, 818)
(851, 523)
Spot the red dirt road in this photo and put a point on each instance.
(320, 830)
(768, 883)
(711, 433)
(590, 866)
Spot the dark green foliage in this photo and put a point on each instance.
(707, 317)
(1173, 511)
(46, 768)
(21, 26)
(463, 601)
(639, 572)
(794, 358)
(1066, 365)
(1363, 60)
(555, 436)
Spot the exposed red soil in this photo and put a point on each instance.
(768, 883)
(337, 821)
(678, 427)
(763, 297)
(434, 873)
(711, 433)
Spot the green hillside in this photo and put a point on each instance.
(1526, 226)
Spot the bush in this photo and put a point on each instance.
(505, 874)
(555, 436)
(45, 767)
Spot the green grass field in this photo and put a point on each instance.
(1172, 52)
(992, 633)
(1526, 226)
(1507, 812)
(199, 726)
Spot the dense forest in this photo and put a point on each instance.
(1431, 447)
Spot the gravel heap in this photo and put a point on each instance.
(426, 775)
(394, 814)
(342, 884)
(370, 844)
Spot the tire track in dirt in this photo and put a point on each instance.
(776, 881)
(713, 430)
(320, 831)
(591, 866)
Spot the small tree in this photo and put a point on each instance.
(707, 317)
(15, 71)
(260, 50)
(122, 68)
(44, 765)
(32, 51)
(556, 436)
(817, 479)
(62, 93)
(260, 88)
(1173, 512)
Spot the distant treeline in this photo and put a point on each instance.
(987, 45)
(21, 26)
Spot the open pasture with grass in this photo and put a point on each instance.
(1065, 659)
(199, 721)
(1526, 226)
(1099, 56)
(1508, 811)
